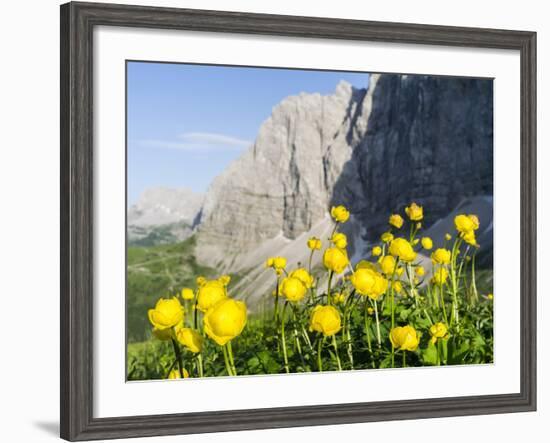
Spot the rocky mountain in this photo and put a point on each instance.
(163, 215)
(404, 138)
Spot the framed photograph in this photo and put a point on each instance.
(272, 221)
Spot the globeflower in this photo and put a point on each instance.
(175, 374)
(187, 294)
(448, 236)
(368, 282)
(305, 277)
(438, 330)
(441, 256)
(386, 237)
(470, 238)
(340, 240)
(293, 289)
(190, 338)
(397, 286)
(314, 243)
(338, 298)
(340, 214)
(405, 338)
(466, 223)
(225, 320)
(335, 259)
(376, 251)
(420, 271)
(210, 293)
(440, 276)
(427, 243)
(396, 220)
(325, 320)
(277, 263)
(166, 314)
(401, 248)
(387, 264)
(414, 212)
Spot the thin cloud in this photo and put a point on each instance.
(199, 142)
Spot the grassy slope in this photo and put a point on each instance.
(154, 272)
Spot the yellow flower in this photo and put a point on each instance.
(340, 240)
(466, 223)
(448, 236)
(405, 338)
(387, 264)
(427, 243)
(396, 220)
(210, 293)
(314, 243)
(293, 288)
(338, 298)
(438, 330)
(441, 256)
(399, 271)
(167, 313)
(325, 319)
(440, 276)
(370, 310)
(397, 287)
(224, 279)
(175, 374)
(190, 338)
(225, 320)
(386, 237)
(369, 282)
(490, 296)
(200, 280)
(187, 294)
(401, 248)
(414, 212)
(277, 263)
(376, 251)
(339, 214)
(470, 238)
(305, 277)
(415, 241)
(420, 271)
(335, 260)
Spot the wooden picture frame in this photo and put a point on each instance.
(77, 23)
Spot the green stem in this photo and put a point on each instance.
(297, 337)
(404, 359)
(199, 359)
(276, 310)
(329, 301)
(319, 349)
(442, 296)
(367, 331)
(283, 339)
(335, 346)
(231, 359)
(226, 359)
(178, 356)
(378, 336)
(392, 306)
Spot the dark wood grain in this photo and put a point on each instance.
(77, 24)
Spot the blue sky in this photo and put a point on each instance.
(187, 122)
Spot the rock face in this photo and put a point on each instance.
(283, 184)
(429, 139)
(163, 215)
(421, 138)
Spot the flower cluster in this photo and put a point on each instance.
(409, 297)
